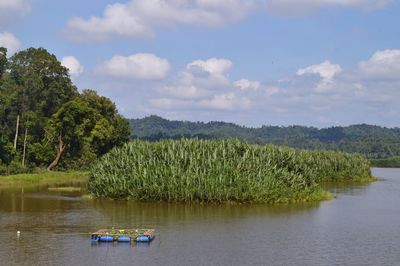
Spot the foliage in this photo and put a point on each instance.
(36, 90)
(36, 86)
(3, 60)
(15, 167)
(370, 141)
(228, 170)
(90, 125)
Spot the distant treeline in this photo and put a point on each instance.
(374, 142)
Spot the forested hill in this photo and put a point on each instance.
(372, 141)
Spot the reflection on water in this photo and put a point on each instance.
(359, 227)
(352, 189)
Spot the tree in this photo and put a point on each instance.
(45, 118)
(6, 150)
(33, 86)
(85, 128)
(3, 61)
(44, 84)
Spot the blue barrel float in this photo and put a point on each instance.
(144, 238)
(106, 239)
(123, 235)
(124, 239)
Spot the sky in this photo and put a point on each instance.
(252, 62)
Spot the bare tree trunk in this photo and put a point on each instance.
(60, 149)
(25, 142)
(16, 133)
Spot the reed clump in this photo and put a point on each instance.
(220, 170)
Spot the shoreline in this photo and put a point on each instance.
(70, 178)
(44, 178)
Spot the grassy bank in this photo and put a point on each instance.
(391, 162)
(43, 178)
(219, 171)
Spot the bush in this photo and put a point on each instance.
(15, 168)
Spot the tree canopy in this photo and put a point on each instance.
(40, 105)
(89, 125)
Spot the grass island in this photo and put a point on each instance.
(192, 170)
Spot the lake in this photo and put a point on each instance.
(360, 227)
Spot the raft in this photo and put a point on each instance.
(123, 235)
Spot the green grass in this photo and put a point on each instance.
(221, 171)
(43, 178)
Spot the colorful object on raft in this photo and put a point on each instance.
(123, 235)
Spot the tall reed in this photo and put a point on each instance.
(220, 170)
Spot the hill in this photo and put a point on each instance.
(374, 142)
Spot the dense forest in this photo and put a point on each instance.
(372, 141)
(46, 122)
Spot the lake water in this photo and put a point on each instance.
(360, 227)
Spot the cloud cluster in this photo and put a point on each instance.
(205, 85)
(319, 94)
(326, 71)
(245, 84)
(9, 41)
(137, 66)
(143, 18)
(383, 65)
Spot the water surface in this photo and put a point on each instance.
(360, 227)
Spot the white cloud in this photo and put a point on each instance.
(171, 104)
(214, 66)
(11, 10)
(182, 91)
(202, 85)
(245, 84)
(302, 7)
(326, 70)
(74, 66)
(142, 18)
(226, 101)
(213, 71)
(9, 41)
(200, 79)
(117, 20)
(220, 102)
(272, 90)
(383, 65)
(137, 66)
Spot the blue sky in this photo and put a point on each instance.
(253, 62)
